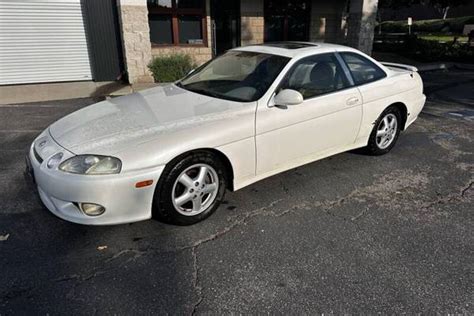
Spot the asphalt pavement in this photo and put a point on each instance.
(348, 234)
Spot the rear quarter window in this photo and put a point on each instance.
(362, 70)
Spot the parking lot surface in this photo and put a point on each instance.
(348, 234)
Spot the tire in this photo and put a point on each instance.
(179, 190)
(376, 145)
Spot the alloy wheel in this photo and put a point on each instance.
(195, 189)
(387, 131)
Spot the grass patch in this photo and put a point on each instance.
(443, 38)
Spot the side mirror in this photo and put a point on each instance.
(288, 97)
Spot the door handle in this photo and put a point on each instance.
(352, 101)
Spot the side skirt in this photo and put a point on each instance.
(241, 183)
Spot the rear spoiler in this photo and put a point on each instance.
(401, 66)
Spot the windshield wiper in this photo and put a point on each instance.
(205, 92)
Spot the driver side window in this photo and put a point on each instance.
(316, 75)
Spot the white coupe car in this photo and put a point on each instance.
(172, 151)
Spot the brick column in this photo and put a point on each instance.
(361, 24)
(133, 16)
(252, 23)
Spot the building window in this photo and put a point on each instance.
(177, 22)
(287, 20)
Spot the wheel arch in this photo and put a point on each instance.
(403, 111)
(224, 159)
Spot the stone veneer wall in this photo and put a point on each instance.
(133, 15)
(200, 54)
(326, 25)
(252, 22)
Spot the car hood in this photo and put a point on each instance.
(113, 125)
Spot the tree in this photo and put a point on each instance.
(443, 6)
(392, 5)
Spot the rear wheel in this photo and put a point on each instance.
(385, 133)
(190, 190)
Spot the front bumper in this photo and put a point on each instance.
(124, 203)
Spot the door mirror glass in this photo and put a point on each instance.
(288, 97)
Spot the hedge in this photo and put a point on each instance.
(429, 51)
(171, 68)
(454, 25)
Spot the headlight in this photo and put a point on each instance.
(54, 160)
(91, 164)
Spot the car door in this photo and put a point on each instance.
(327, 120)
(376, 89)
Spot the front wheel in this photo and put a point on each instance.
(190, 190)
(385, 133)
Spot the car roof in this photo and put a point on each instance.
(294, 49)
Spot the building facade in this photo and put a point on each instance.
(90, 40)
(206, 28)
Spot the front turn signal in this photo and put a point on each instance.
(143, 184)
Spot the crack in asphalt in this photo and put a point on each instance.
(466, 189)
(136, 254)
(80, 277)
(329, 205)
(234, 224)
(196, 286)
(364, 211)
(452, 197)
(326, 206)
(194, 247)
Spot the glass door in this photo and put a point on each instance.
(225, 25)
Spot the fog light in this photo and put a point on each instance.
(92, 209)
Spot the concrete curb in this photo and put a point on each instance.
(42, 92)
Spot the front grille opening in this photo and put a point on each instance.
(37, 156)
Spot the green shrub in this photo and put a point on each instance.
(171, 68)
(426, 50)
(429, 51)
(454, 25)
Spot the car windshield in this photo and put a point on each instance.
(236, 76)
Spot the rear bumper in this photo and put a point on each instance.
(124, 203)
(415, 110)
